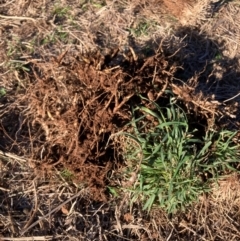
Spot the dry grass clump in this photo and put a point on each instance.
(30, 205)
(218, 213)
(214, 217)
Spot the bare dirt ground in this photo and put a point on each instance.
(70, 72)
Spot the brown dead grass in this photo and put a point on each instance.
(58, 117)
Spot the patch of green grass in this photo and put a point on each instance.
(98, 5)
(61, 35)
(18, 47)
(113, 191)
(55, 36)
(14, 47)
(61, 11)
(218, 56)
(2, 92)
(142, 28)
(66, 174)
(176, 160)
(18, 65)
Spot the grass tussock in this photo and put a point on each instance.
(178, 164)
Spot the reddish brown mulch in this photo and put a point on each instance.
(71, 106)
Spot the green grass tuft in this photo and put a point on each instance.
(177, 165)
(67, 174)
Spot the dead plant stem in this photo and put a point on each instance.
(10, 155)
(17, 18)
(48, 214)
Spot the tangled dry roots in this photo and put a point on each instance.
(74, 104)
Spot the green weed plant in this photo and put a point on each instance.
(142, 29)
(67, 174)
(175, 160)
(2, 92)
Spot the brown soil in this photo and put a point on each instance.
(73, 105)
(177, 7)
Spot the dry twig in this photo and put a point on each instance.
(54, 210)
